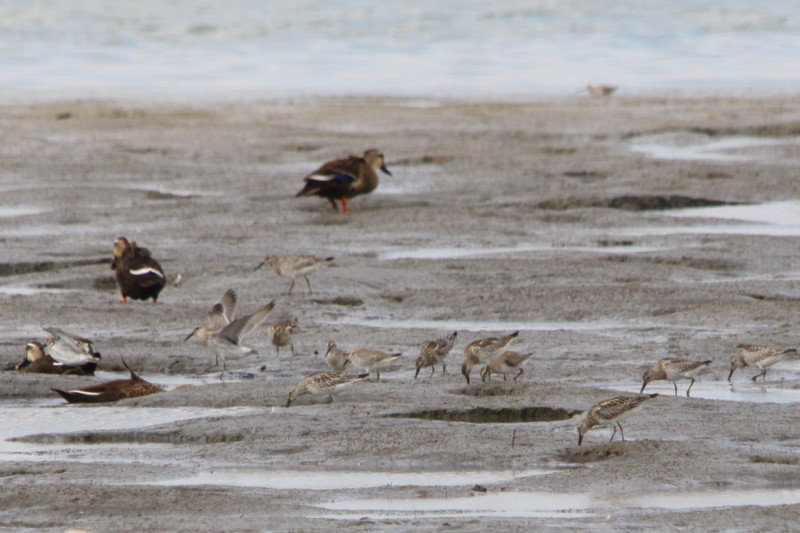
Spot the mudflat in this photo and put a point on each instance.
(610, 233)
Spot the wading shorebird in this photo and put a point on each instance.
(38, 362)
(139, 276)
(762, 357)
(280, 333)
(610, 413)
(481, 351)
(435, 352)
(323, 383)
(600, 90)
(336, 358)
(225, 342)
(506, 364)
(674, 369)
(372, 360)
(111, 391)
(341, 179)
(70, 349)
(292, 266)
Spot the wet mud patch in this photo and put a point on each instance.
(485, 415)
(775, 459)
(494, 389)
(139, 437)
(345, 301)
(592, 453)
(19, 269)
(632, 203)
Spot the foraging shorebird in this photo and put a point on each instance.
(674, 369)
(341, 179)
(762, 357)
(38, 362)
(506, 364)
(70, 349)
(372, 360)
(280, 333)
(481, 350)
(111, 391)
(610, 413)
(224, 339)
(292, 266)
(435, 352)
(336, 358)
(323, 383)
(600, 90)
(139, 276)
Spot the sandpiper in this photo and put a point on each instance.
(600, 90)
(336, 358)
(70, 349)
(506, 364)
(435, 352)
(38, 362)
(323, 383)
(481, 350)
(139, 276)
(762, 357)
(226, 342)
(280, 333)
(292, 266)
(610, 413)
(672, 369)
(372, 360)
(341, 179)
(111, 391)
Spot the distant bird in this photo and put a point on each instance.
(111, 391)
(38, 362)
(280, 333)
(372, 360)
(336, 358)
(673, 369)
(762, 357)
(600, 90)
(435, 352)
(139, 276)
(323, 383)
(70, 349)
(481, 351)
(506, 364)
(341, 179)
(611, 413)
(292, 266)
(222, 334)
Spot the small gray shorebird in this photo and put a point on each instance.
(674, 369)
(225, 341)
(372, 360)
(280, 333)
(292, 266)
(481, 351)
(508, 363)
(761, 357)
(341, 179)
(335, 357)
(323, 383)
(139, 276)
(70, 349)
(435, 352)
(611, 412)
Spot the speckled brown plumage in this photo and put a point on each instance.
(111, 391)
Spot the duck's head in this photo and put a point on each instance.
(374, 159)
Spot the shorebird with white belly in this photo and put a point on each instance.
(507, 364)
(292, 266)
(323, 383)
(435, 352)
(674, 369)
(761, 357)
(372, 360)
(611, 413)
(482, 350)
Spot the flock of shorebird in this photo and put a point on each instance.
(140, 277)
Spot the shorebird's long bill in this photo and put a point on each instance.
(386, 170)
(580, 438)
(261, 264)
(643, 386)
(189, 336)
(289, 402)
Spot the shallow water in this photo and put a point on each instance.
(465, 252)
(703, 148)
(740, 390)
(20, 211)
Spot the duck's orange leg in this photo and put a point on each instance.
(344, 204)
(123, 299)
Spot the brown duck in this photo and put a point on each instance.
(341, 179)
(38, 362)
(111, 391)
(139, 276)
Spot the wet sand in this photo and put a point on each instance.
(551, 217)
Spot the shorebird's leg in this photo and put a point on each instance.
(433, 369)
(291, 287)
(444, 368)
(344, 204)
(308, 283)
(518, 375)
(505, 378)
(690, 388)
(416, 373)
(764, 373)
(379, 376)
(330, 399)
(675, 384)
(277, 350)
(292, 346)
(613, 433)
(621, 431)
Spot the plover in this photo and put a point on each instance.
(70, 349)
(292, 266)
(762, 357)
(280, 333)
(482, 350)
(341, 179)
(610, 413)
(372, 360)
(508, 363)
(139, 276)
(336, 358)
(323, 383)
(673, 369)
(435, 352)
(111, 391)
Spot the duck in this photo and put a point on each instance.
(341, 179)
(38, 362)
(111, 391)
(139, 276)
